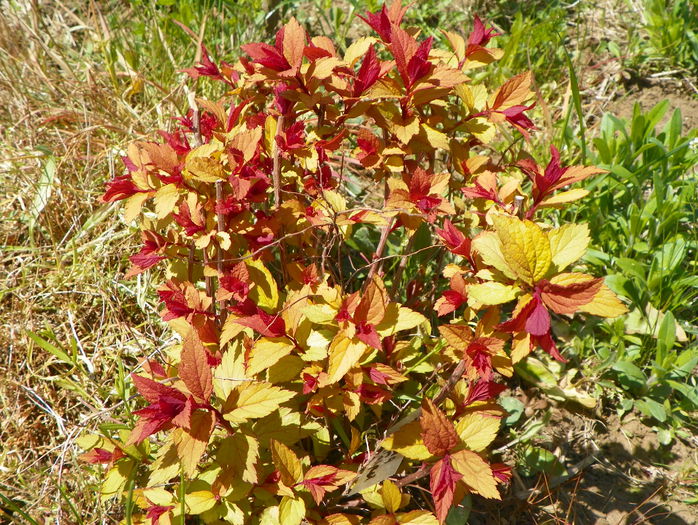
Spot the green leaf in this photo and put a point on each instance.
(50, 348)
(666, 337)
(651, 408)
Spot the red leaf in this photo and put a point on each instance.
(367, 333)
(260, 321)
(403, 47)
(454, 239)
(483, 390)
(368, 73)
(152, 391)
(443, 481)
(267, 55)
(538, 322)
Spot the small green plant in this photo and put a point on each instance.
(350, 262)
(644, 235)
(672, 27)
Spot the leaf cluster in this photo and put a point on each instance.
(313, 382)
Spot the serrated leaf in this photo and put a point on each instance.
(408, 442)
(191, 444)
(291, 510)
(266, 353)
(489, 246)
(165, 200)
(477, 474)
(568, 244)
(525, 247)
(417, 517)
(239, 452)
(438, 433)
(605, 304)
(392, 498)
(344, 354)
(491, 293)
(199, 501)
(253, 400)
(194, 370)
(477, 430)
(286, 462)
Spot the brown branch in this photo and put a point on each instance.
(196, 118)
(220, 219)
(277, 163)
(416, 475)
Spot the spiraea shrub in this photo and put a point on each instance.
(354, 251)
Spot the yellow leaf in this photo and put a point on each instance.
(199, 501)
(391, 496)
(436, 138)
(324, 67)
(404, 130)
(358, 49)
(265, 353)
(320, 313)
(568, 243)
(605, 304)
(417, 517)
(520, 347)
(477, 474)
(265, 292)
(286, 461)
(398, 318)
(231, 371)
(158, 496)
(408, 442)
(477, 430)
(288, 368)
(133, 205)
(253, 400)
(239, 452)
(457, 336)
(166, 464)
(525, 247)
(291, 510)
(564, 197)
(343, 355)
(488, 245)
(115, 480)
(165, 200)
(191, 444)
(492, 293)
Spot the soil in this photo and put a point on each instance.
(649, 94)
(617, 474)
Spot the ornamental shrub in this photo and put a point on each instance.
(355, 250)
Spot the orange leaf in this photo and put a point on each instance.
(194, 369)
(294, 43)
(457, 335)
(371, 309)
(570, 292)
(514, 91)
(438, 432)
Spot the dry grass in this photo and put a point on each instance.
(62, 250)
